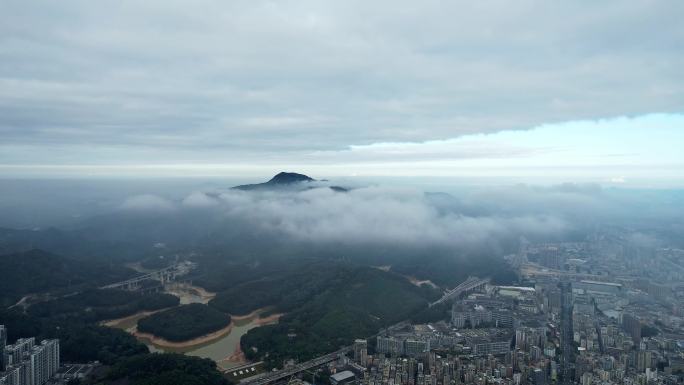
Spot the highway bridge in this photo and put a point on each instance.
(285, 373)
(165, 275)
(468, 286)
(273, 377)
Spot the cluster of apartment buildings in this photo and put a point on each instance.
(626, 317)
(498, 335)
(27, 363)
(575, 321)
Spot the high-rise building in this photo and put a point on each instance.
(3, 343)
(414, 347)
(632, 325)
(44, 361)
(539, 377)
(26, 363)
(643, 360)
(361, 352)
(14, 354)
(391, 345)
(483, 347)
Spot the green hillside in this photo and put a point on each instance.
(166, 369)
(356, 302)
(97, 305)
(52, 273)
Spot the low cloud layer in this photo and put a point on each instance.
(381, 220)
(372, 215)
(409, 217)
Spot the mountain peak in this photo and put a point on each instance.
(281, 180)
(289, 177)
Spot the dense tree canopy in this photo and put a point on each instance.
(184, 322)
(79, 341)
(356, 302)
(168, 369)
(96, 305)
(52, 273)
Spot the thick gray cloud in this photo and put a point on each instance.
(395, 217)
(392, 216)
(378, 215)
(157, 82)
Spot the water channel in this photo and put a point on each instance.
(219, 349)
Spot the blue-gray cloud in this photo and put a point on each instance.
(85, 82)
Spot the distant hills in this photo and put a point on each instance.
(287, 180)
(38, 271)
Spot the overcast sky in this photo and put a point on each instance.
(577, 90)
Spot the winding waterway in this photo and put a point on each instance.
(225, 350)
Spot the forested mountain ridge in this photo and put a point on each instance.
(330, 309)
(37, 271)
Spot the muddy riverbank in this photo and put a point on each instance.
(222, 346)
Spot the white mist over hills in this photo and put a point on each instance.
(365, 214)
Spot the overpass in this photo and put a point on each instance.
(285, 373)
(165, 275)
(318, 361)
(468, 286)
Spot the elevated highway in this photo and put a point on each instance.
(468, 286)
(273, 377)
(285, 373)
(165, 275)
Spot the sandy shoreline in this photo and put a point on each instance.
(161, 342)
(113, 323)
(273, 318)
(253, 314)
(238, 356)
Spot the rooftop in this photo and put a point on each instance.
(341, 376)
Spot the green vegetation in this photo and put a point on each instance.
(79, 341)
(355, 302)
(184, 322)
(219, 273)
(432, 314)
(328, 303)
(84, 341)
(250, 296)
(286, 290)
(97, 305)
(87, 342)
(167, 369)
(51, 273)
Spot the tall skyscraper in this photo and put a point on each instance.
(3, 343)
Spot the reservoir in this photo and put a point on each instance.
(224, 350)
